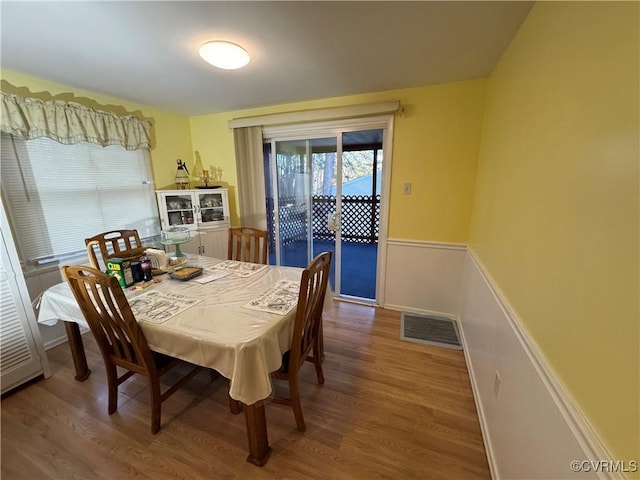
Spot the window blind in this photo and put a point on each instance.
(58, 195)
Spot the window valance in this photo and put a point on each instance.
(319, 115)
(69, 123)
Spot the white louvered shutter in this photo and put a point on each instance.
(19, 357)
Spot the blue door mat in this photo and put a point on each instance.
(430, 329)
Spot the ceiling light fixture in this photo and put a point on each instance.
(225, 55)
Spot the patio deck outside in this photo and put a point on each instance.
(360, 226)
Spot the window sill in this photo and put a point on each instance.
(36, 270)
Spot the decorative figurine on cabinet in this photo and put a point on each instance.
(182, 175)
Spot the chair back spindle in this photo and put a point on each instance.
(110, 318)
(116, 243)
(313, 287)
(247, 245)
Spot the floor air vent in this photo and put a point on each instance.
(431, 330)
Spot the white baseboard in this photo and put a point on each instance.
(60, 339)
(54, 342)
(420, 311)
(532, 428)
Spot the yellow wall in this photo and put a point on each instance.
(435, 148)
(556, 209)
(171, 135)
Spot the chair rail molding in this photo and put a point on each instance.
(427, 244)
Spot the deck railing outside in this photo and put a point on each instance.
(360, 220)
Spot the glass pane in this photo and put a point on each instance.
(210, 200)
(293, 202)
(324, 167)
(179, 209)
(360, 216)
(211, 208)
(179, 202)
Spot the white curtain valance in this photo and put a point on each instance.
(69, 123)
(318, 115)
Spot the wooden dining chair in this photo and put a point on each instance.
(116, 243)
(248, 245)
(306, 338)
(120, 338)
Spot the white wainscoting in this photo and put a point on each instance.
(532, 428)
(423, 277)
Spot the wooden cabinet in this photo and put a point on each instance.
(211, 243)
(194, 209)
(22, 354)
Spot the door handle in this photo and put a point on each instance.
(333, 221)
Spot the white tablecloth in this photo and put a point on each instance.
(243, 345)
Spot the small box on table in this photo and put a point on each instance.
(121, 269)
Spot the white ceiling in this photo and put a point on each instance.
(146, 51)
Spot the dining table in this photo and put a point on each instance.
(234, 317)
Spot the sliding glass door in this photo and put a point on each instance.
(298, 170)
(358, 211)
(324, 195)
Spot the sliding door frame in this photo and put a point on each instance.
(335, 128)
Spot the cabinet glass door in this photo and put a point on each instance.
(179, 209)
(211, 207)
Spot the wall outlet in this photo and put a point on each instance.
(406, 189)
(496, 384)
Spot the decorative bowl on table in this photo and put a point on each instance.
(175, 236)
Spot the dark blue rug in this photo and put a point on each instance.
(359, 263)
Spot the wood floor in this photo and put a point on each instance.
(389, 409)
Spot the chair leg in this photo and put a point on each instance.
(112, 382)
(156, 404)
(294, 392)
(320, 340)
(317, 361)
